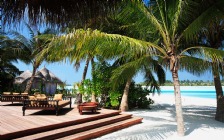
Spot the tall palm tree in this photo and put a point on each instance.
(166, 19)
(168, 48)
(32, 47)
(213, 36)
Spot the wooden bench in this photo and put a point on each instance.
(88, 106)
(48, 104)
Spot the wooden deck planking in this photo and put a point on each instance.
(11, 118)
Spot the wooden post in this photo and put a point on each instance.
(57, 108)
(24, 108)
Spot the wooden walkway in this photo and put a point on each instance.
(12, 122)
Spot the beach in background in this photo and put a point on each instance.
(159, 122)
(192, 91)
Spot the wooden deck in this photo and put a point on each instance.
(14, 125)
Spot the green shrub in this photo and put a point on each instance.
(137, 97)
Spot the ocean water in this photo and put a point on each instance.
(193, 91)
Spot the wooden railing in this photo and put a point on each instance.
(13, 98)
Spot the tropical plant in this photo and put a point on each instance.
(32, 47)
(63, 13)
(138, 97)
(9, 54)
(170, 26)
(128, 69)
(212, 36)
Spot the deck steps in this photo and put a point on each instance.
(100, 131)
(35, 130)
(86, 129)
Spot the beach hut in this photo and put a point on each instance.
(44, 80)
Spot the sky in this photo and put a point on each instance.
(67, 73)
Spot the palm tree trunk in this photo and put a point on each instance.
(85, 70)
(93, 99)
(30, 82)
(219, 116)
(79, 97)
(178, 104)
(124, 100)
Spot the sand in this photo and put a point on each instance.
(159, 122)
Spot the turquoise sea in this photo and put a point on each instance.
(193, 91)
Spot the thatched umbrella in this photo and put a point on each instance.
(56, 12)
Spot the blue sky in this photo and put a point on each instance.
(67, 73)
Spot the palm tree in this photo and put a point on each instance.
(32, 48)
(169, 49)
(9, 53)
(77, 64)
(128, 68)
(212, 36)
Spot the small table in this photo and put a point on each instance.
(88, 108)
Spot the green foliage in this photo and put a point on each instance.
(138, 97)
(114, 98)
(9, 53)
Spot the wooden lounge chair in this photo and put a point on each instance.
(88, 106)
(46, 104)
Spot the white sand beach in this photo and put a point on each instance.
(159, 123)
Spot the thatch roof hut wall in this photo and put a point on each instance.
(43, 79)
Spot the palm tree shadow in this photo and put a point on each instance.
(195, 117)
(200, 117)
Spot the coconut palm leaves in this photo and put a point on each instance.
(9, 53)
(65, 13)
(32, 47)
(167, 31)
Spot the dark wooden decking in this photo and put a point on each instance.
(42, 124)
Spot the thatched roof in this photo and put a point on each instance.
(49, 76)
(44, 75)
(56, 12)
(23, 77)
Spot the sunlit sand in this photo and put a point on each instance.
(159, 122)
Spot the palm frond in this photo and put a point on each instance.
(196, 66)
(144, 65)
(204, 15)
(80, 42)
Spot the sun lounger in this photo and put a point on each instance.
(46, 104)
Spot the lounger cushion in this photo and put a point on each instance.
(15, 93)
(32, 98)
(58, 97)
(25, 93)
(41, 97)
(6, 93)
